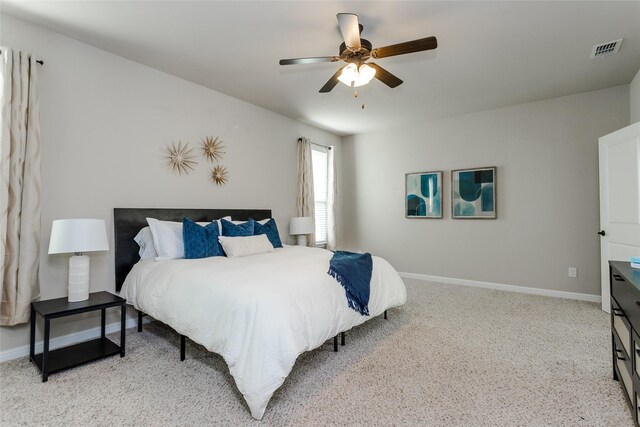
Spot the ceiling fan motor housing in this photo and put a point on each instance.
(358, 56)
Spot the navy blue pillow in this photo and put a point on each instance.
(241, 230)
(271, 230)
(199, 241)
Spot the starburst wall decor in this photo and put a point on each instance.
(179, 158)
(212, 148)
(219, 175)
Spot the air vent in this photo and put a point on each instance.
(608, 48)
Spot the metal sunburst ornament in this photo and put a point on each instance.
(212, 148)
(179, 158)
(219, 175)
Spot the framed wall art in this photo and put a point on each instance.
(473, 193)
(423, 195)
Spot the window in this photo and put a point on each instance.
(320, 160)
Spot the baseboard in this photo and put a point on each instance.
(66, 340)
(502, 287)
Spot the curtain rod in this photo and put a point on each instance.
(39, 61)
(328, 147)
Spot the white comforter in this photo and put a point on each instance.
(259, 312)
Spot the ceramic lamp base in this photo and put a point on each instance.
(79, 269)
(302, 240)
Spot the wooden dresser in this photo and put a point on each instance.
(625, 331)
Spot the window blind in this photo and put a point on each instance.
(320, 160)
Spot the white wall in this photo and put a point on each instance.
(634, 99)
(104, 123)
(548, 213)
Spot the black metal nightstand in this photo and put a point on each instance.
(67, 357)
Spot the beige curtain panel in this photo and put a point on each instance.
(305, 201)
(19, 186)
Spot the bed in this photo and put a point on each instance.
(258, 312)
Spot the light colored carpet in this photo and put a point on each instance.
(452, 356)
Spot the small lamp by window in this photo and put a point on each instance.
(301, 226)
(78, 236)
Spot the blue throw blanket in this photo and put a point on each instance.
(353, 272)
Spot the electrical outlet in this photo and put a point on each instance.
(573, 272)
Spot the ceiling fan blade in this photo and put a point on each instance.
(312, 60)
(350, 30)
(419, 45)
(333, 81)
(384, 76)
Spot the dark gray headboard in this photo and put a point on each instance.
(127, 222)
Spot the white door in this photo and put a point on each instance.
(619, 200)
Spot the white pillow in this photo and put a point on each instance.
(247, 245)
(167, 237)
(262, 221)
(144, 239)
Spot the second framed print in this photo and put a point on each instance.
(473, 193)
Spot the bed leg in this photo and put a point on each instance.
(385, 314)
(140, 321)
(341, 338)
(335, 343)
(183, 340)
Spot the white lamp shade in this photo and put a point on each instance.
(301, 225)
(349, 75)
(367, 73)
(78, 235)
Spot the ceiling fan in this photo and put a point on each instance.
(356, 52)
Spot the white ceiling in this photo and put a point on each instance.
(490, 54)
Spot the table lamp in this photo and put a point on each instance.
(301, 226)
(78, 236)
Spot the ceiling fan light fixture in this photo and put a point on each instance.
(354, 76)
